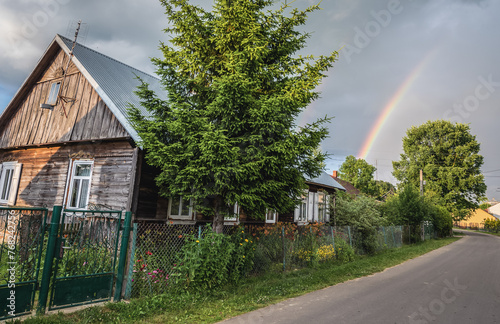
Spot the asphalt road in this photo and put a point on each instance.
(459, 283)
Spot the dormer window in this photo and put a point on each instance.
(54, 91)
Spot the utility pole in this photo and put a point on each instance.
(421, 183)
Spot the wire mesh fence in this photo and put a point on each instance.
(156, 248)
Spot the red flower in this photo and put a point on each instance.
(149, 253)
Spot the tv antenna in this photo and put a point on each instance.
(65, 99)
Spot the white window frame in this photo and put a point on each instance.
(301, 211)
(273, 218)
(236, 214)
(325, 216)
(179, 215)
(54, 91)
(10, 176)
(70, 183)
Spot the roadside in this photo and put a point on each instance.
(251, 294)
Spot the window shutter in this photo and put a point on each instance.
(296, 213)
(15, 184)
(327, 211)
(310, 207)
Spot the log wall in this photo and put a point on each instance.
(45, 172)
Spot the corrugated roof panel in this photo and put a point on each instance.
(115, 81)
(325, 179)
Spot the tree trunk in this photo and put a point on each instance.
(218, 225)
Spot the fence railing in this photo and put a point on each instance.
(156, 248)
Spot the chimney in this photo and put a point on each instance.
(334, 174)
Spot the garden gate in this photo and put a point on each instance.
(22, 233)
(79, 258)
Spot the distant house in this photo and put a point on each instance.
(476, 220)
(350, 189)
(65, 139)
(495, 210)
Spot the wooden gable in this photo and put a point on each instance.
(85, 118)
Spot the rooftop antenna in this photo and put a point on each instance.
(65, 99)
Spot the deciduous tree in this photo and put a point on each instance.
(360, 174)
(448, 155)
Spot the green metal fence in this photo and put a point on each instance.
(22, 241)
(71, 261)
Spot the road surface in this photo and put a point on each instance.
(459, 283)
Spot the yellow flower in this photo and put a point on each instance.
(246, 240)
(197, 241)
(242, 231)
(243, 256)
(241, 243)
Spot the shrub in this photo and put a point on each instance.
(213, 260)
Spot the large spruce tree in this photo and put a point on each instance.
(235, 86)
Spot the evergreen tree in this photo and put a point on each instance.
(227, 132)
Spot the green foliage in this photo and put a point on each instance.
(213, 260)
(449, 156)
(345, 253)
(360, 174)
(363, 214)
(227, 132)
(384, 189)
(492, 225)
(406, 208)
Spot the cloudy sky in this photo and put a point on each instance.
(401, 64)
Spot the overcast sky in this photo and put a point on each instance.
(416, 60)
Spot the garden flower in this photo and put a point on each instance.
(149, 253)
(197, 241)
(246, 240)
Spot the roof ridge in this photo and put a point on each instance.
(109, 57)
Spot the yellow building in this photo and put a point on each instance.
(476, 220)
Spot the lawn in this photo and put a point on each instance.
(252, 293)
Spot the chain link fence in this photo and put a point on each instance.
(279, 247)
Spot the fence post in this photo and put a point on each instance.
(283, 244)
(123, 257)
(49, 258)
(199, 231)
(333, 239)
(385, 237)
(130, 277)
(393, 237)
(349, 232)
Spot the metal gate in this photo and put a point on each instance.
(22, 238)
(86, 253)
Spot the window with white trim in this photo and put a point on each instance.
(323, 207)
(232, 213)
(315, 207)
(79, 184)
(271, 216)
(10, 174)
(179, 208)
(300, 215)
(54, 91)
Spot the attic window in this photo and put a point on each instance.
(54, 91)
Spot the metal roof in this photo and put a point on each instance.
(324, 179)
(114, 81)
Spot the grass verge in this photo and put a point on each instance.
(251, 294)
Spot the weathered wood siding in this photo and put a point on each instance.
(88, 117)
(45, 172)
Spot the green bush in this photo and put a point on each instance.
(213, 260)
(345, 253)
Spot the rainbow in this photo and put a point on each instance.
(391, 105)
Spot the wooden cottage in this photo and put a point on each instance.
(65, 139)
